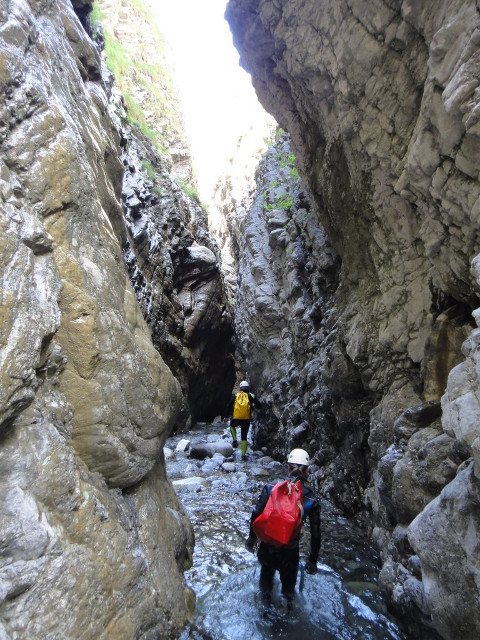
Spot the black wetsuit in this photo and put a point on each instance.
(285, 560)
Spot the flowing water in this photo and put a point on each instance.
(341, 602)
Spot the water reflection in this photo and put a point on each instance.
(341, 602)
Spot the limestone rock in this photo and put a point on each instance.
(223, 447)
(182, 445)
(86, 401)
(381, 103)
(284, 317)
(461, 405)
(377, 172)
(173, 261)
(200, 451)
(147, 78)
(174, 268)
(168, 453)
(423, 472)
(444, 536)
(212, 464)
(193, 482)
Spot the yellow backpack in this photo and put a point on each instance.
(241, 407)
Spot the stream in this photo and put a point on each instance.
(341, 602)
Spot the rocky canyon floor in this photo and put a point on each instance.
(342, 601)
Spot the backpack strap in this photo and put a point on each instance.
(298, 487)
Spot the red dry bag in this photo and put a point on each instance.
(281, 520)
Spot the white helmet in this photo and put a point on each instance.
(298, 456)
(244, 384)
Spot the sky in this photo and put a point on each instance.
(217, 96)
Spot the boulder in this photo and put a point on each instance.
(444, 537)
(86, 401)
(182, 445)
(200, 451)
(223, 447)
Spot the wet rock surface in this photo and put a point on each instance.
(381, 103)
(287, 336)
(94, 539)
(175, 270)
(173, 262)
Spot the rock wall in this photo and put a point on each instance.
(285, 318)
(173, 261)
(94, 540)
(140, 56)
(381, 102)
(174, 267)
(233, 195)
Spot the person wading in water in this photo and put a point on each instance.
(240, 410)
(284, 557)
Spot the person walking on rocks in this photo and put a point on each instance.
(284, 556)
(240, 410)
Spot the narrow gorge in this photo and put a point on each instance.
(342, 277)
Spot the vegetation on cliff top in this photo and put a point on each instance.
(145, 80)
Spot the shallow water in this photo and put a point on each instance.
(341, 602)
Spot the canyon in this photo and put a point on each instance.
(344, 283)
